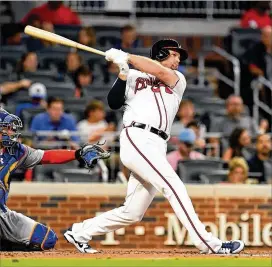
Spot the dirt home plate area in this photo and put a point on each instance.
(143, 257)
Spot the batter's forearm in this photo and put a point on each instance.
(147, 65)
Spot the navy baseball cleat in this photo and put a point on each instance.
(82, 247)
(231, 247)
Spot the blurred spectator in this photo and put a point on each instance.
(28, 63)
(199, 132)
(128, 38)
(262, 161)
(185, 150)
(255, 57)
(239, 140)
(83, 78)
(258, 16)
(258, 61)
(54, 119)
(238, 171)
(11, 87)
(94, 126)
(86, 36)
(55, 12)
(12, 34)
(73, 62)
(35, 44)
(38, 95)
(234, 118)
(186, 114)
(34, 20)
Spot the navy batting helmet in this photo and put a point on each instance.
(160, 50)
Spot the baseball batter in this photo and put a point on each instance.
(17, 230)
(151, 94)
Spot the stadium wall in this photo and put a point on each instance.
(229, 211)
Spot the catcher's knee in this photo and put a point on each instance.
(42, 238)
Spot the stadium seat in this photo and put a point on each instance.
(28, 114)
(79, 102)
(42, 76)
(60, 89)
(190, 170)
(76, 110)
(108, 38)
(45, 173)
(195, 92)
(9, 60)
(51, 59)
(74, 175)
(141, 51)
(106, 28)
(214, 177)
(4, 75)
(13, 48)
(68, 31)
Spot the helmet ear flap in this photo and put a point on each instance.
(162, 54)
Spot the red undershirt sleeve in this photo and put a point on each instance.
(58, 156)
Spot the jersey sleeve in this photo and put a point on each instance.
(30, 158)
(180, 86)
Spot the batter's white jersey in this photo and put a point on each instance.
(150, 101)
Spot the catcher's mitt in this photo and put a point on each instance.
(88, 155)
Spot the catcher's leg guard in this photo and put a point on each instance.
(42, 238)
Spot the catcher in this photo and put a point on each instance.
(15, 228)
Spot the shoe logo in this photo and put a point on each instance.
(80, 245)
(160, 54)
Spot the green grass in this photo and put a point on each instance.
(181, 262)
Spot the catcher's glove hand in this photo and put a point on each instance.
(88, 155)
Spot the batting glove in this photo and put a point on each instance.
(116, 55)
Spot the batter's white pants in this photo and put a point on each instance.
(144, 153)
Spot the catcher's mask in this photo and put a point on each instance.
(9, 129)
(160, 50)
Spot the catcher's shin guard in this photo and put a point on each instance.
(42, 238)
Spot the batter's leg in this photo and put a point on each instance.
(20, 229)
(144, 154)
(139, 196)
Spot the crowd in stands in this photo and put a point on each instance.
(243, 145)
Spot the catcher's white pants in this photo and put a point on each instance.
(144, 153)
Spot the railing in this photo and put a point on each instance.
(206, 9)
(235, 84)
(256, 85)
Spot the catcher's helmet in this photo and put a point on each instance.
(160, 50)
(10, 126)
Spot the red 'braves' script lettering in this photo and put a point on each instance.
(142, 83)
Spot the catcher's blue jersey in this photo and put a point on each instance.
(9, 163)
(23, 156)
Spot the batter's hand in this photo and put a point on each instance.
(117, 56)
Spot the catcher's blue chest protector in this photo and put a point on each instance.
(8, 164)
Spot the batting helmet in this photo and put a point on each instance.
(160, 50)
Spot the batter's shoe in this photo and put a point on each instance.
(231, 247)
(82, 247)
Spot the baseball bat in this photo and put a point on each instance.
(58, 39)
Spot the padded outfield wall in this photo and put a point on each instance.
(229, 211)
